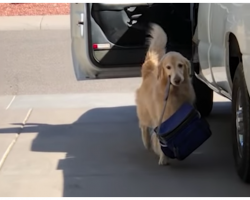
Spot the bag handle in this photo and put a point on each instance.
(165, 104)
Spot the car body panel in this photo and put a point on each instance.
(215, 23)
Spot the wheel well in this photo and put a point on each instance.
(235, 56)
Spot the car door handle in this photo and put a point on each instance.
(80, 23)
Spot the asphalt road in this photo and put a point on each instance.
(86, 141)
(39, 62)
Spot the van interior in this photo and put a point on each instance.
(118, 32)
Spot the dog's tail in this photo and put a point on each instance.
(157, 45)
(158, 40)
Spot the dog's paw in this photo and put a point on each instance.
(163, 161)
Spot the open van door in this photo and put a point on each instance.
(108, 40)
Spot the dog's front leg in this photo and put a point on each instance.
(163, 160)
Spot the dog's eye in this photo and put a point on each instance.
(168, 67)
(180, 65)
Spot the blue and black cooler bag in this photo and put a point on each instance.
(183, 132)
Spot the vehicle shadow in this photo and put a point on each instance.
(105, 157)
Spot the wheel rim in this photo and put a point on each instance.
(239, 123)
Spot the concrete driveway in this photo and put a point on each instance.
(62, 148)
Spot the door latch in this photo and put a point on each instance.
(81, 20)
(80, 23)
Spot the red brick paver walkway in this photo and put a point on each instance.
(18, 9)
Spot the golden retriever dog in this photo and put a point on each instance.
(156, 70)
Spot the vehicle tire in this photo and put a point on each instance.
(204, 97)
(241, 125)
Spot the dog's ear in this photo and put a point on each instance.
(188, 67)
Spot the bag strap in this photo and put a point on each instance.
(165, 104)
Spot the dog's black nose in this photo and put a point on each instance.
(177, 80)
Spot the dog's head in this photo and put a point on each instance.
(176, 66)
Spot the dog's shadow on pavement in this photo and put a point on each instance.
(105, 155)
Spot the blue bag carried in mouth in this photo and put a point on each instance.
(183, 132)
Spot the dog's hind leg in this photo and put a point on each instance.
(145, 136)
(144, 123)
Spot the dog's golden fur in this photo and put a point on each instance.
(156, 69)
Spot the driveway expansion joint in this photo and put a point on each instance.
(11, 145)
